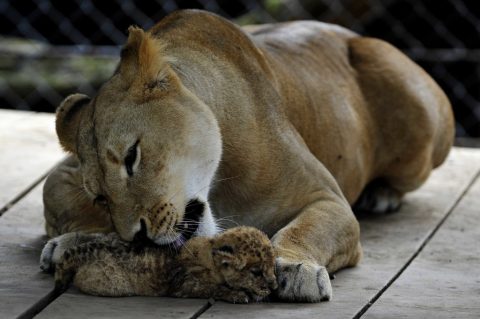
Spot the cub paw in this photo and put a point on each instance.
(305, 282)
(235, 297)
(46, 262)
(54, 249)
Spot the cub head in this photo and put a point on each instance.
(148, 148)
(246, 259)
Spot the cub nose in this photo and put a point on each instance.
(273, 284)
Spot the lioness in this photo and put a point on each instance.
(278, 126)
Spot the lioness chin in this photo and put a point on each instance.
(279, 126)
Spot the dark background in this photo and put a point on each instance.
(443, 36)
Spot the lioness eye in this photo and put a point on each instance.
(130, 158)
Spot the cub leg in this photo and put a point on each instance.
(323, 238)
(108, 266)
(54, 249)
(200, 287)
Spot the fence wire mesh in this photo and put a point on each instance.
(49, 49)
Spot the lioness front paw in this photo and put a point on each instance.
(299, 281)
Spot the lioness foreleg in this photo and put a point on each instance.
(323, 238)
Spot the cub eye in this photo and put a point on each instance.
(257, 272)
(100, 200)
(131, 158)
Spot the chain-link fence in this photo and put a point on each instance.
(73, 45)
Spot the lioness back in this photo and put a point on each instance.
(365, 96)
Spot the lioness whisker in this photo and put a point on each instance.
(227, 219)
(182, 244)
(191, 221)
(174, 194)
(187, 231)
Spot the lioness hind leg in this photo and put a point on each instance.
(384, 194)
(378, 197)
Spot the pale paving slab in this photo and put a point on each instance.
(388, 241)
(444, 280)
(29, 149)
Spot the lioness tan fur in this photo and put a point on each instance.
(279, 126)
(237, 266)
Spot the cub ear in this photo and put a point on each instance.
(226, 249)
(69, 114)
(224, 256)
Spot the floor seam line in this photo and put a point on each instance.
(377, 296)
(41, 304)
(203, 309)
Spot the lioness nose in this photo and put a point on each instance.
(141, 236)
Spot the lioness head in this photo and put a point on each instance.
(147, 146)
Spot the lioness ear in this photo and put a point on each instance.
(68, 120)
(143, 64)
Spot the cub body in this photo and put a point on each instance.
(236, 266)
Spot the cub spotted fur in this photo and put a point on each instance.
(235, 266)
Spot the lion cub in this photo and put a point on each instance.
(236, 266)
